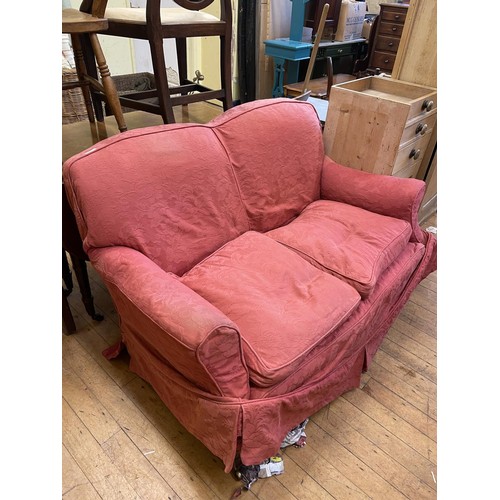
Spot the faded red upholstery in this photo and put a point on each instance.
(174, 194)
(277, 178)
(254, 277)
(349, 242)
(284, 296)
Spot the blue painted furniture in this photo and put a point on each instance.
(283, 50)
(291, 51)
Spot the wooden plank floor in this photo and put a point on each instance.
(377, 441)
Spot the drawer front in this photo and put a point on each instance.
(410, 171)
(344, 50)
(390, 29)
(411, 153)
(393, 15)
(387, 43)
(420, 128)
(423, 107)
(383, 60)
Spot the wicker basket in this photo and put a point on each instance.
(138, 82)
(135, 82)
(73, 105)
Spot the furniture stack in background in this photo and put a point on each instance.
(387, 36)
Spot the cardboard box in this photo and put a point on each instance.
(351, 19)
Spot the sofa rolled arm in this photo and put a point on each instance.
(387, 195)
(173, 322)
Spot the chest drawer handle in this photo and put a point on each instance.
(414, 153)
(394, 28)
(421, 129)
(427, 105)
(390, 44)
(396, 16)
(340, 51)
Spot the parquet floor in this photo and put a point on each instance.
(377, 441)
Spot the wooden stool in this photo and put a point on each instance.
(79, 24)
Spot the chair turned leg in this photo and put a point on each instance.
(91, 69)
(108, 84)
(81, 71)
(80, 269)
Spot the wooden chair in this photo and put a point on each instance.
(155, 24)
(319, 87)
(82, 26)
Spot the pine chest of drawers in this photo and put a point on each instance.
(380, 125)
(387, 36)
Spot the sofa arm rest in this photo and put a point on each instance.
(173, 322)
(387, 195)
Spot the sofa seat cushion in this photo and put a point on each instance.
(282, 305)
(349, 242)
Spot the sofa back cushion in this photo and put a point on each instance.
(276, 149)
(167, 191)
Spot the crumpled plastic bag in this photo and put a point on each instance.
(296, 437)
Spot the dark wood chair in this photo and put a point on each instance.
(155, 24)
(83, 26)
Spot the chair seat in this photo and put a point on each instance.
(74, 21)
(171, 15)
(273, 295)
(351, 243)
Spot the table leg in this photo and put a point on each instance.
(279, 71)
(292, 72)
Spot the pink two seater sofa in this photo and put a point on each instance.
(254, 277)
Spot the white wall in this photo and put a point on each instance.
(204, 53)
(142, 55)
